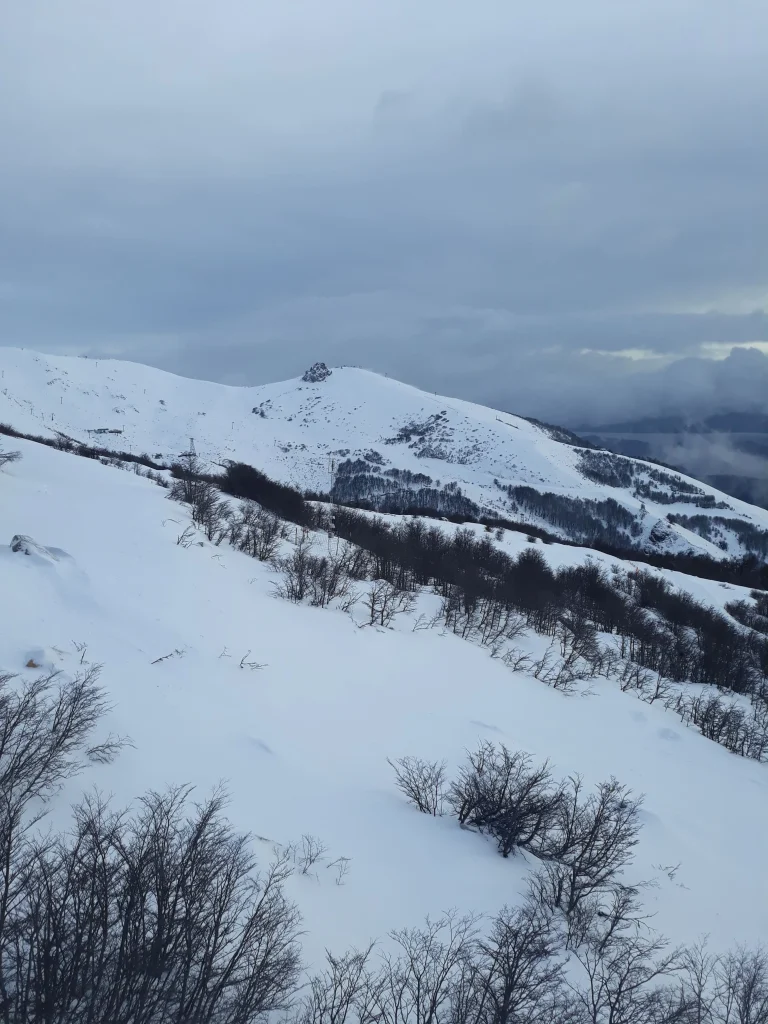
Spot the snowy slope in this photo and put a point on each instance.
(303, 741)
(300, 433)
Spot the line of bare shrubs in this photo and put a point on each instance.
(496, 619)
(150, 916)
(526, 966)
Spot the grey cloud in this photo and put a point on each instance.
(465, 196)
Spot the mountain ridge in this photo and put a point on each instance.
(369, 439)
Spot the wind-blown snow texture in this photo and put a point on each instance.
(303, 741)
(299, 432)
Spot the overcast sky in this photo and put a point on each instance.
(540, 205)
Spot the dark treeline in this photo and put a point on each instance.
(359, 482)
(585, 519)
(660, 629)
(289, 503)
(619, 471)
(243, 481)
(64, 443)
(752, 537)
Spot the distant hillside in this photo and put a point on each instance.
(371, 440)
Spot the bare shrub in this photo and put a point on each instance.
(320, 579)
(308, 852)
(131, 918)
(6, 458)
(590, 841)
(502, 793)
(425, 981)
(624, 966)
(256, 531)
(342, 992)
(520, 969)
(295, 570)
(150, 917)
(211, 512)
(422, 782)
(384, 602)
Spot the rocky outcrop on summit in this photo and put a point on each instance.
(316, 373)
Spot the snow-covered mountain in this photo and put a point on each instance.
(216, 673)
(376, 440)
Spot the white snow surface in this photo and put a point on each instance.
(303, 742)
(308, 428)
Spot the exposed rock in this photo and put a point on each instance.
(316, 373)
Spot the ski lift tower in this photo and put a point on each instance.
(331, 473)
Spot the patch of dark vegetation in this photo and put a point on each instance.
(586, 520)
(394, 490)
(243, 481)
(712, 528)
(561, 434)
(617, 471)
(64, 443)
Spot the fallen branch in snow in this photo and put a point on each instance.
(252, 665)
(174, 654)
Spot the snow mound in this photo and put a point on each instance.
(22, 544)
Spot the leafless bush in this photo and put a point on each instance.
(590, 841)
(619, 971)
(308, 852)
(187, 480)
(6, 458)
(429, 978)
(422, 782)
(502, 793)
(320, 579)
(445, 972)
(384, 602)
(517, 660)
(582, 657)
(295, 570)
(211, 512)
(341, 867)
(342, 992)
(624, 965)
(256, 531)
(520, 970)
(741, 729)
(156, 916)
(127, 918)
(648, 686)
